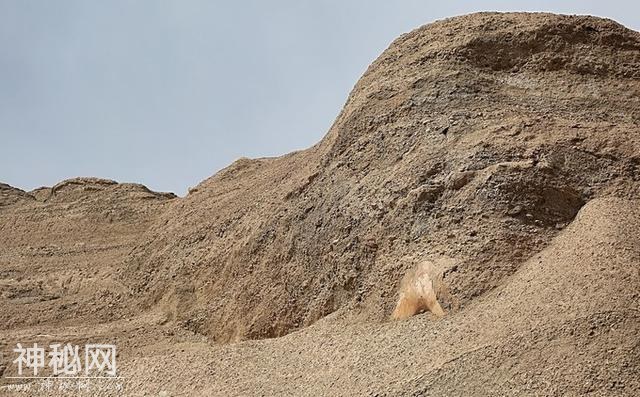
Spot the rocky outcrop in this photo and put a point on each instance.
(476, 138)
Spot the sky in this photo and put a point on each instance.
(166, 93)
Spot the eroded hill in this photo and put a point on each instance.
(503, 147)
(477, 139)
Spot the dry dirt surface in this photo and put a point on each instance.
(502, 148)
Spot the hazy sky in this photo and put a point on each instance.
(166, 93)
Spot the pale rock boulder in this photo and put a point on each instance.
(421, 288)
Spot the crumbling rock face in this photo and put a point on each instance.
(478, 138)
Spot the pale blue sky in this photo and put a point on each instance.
(166, 93)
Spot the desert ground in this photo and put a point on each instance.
(501, 149)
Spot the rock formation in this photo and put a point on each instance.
(504, 148)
